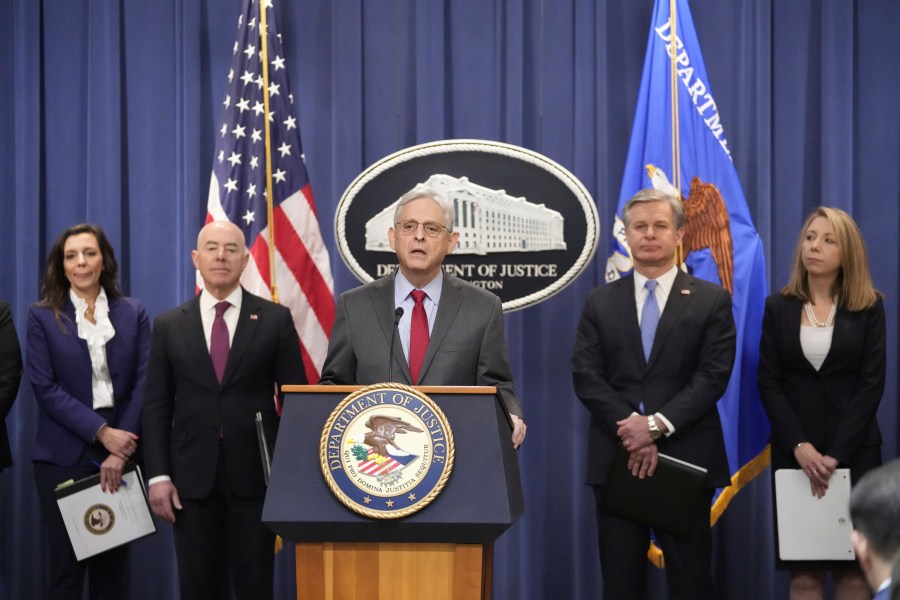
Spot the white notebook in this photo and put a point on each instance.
(811, 528)
(96, 520)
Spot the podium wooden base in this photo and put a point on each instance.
(375, 571)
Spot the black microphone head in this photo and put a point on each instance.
(397, 314)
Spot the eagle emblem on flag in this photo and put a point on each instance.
(706, 224)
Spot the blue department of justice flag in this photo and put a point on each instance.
(720, 242)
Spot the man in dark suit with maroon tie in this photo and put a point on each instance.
(653, 355)
(215, 362)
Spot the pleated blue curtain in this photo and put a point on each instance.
(109, 114)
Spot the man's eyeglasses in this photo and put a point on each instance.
(431, 228)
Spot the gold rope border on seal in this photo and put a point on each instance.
(395, 514)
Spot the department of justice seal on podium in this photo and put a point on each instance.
(386, 451)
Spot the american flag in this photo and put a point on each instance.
(237, 190)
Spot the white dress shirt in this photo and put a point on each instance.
(403, 298)
(663, 288)
(208, 313)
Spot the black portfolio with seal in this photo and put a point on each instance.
(664, 501)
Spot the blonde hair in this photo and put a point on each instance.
(853, 286)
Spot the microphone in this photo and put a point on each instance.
(397, 314)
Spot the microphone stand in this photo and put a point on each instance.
(397, 314)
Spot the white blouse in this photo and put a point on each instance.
(816, 342)
(96, 335)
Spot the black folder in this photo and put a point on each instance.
(665, 501)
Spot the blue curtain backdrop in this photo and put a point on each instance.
(109, 110)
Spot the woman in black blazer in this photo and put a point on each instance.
(821, 375)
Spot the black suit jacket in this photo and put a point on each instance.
(688, 370)
(832, 408)
(10, 376)
(184, 405)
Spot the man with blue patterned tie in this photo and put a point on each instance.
(875, 512)
(653, 354)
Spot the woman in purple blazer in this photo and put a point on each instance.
(86, 357)
(822, 364)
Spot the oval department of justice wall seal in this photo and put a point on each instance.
(99, 519)
(526, 226)
(386, 451)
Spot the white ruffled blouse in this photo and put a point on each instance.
(96, 335)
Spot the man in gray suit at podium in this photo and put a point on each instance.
(450, 332)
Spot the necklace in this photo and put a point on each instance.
(829, 322)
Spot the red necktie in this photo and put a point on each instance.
(219, 344)
(418, 336)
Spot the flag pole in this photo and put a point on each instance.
(673, 90)
(264, 57)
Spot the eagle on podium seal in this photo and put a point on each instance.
(386, 451)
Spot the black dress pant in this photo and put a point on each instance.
(221, 543)
(623, 555)
(108, 572)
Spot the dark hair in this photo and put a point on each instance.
(55, 286)
(875, 509)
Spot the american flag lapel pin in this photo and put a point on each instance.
(254, 317)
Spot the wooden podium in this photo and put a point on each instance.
(443, 551)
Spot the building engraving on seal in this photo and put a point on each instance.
(487, 220)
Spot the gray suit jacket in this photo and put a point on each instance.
(466, 347)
